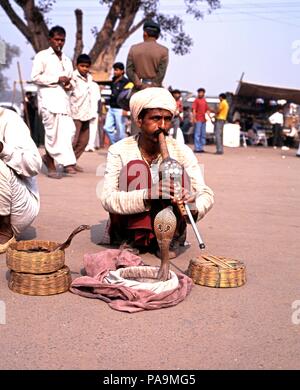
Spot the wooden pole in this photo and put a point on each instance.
(14, 93)
(26, 116)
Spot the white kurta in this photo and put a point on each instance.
(93, 129)
(20, 161)
(54, 104)
(81, 97)
(121, 153)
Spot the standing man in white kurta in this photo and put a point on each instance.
(51, 72)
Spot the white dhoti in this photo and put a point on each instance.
(59, 134)
(16, 200)
(93, 134)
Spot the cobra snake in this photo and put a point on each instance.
(165, 220)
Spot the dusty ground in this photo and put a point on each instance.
(255, 218)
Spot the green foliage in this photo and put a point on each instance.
(46, 5)
(173, 26)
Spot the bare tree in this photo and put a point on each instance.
(79, 36)
(34, 26)
(119, 24)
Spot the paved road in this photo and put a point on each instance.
(256, 218)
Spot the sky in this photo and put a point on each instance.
(260, 38)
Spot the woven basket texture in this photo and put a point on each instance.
(4, 247)
(48, 284)
(207, 273)
(35, 262)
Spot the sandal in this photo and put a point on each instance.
(78, 168)
(54, 175)
(70, 170)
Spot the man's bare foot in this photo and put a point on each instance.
(49, 162)
(50, 167)
(129, 247)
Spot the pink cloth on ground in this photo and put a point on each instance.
(123, 298)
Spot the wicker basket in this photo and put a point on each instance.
(36, 262)
(213, 271)
(4, 247)
(55, 283)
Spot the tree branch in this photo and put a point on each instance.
(128, 13)
(36, 30)
(78, 39)
(104, 35)
(136, 27)
(16, 20)
(117, 27)
(124, 14)
(36, 24)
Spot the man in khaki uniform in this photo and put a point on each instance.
(147, 61)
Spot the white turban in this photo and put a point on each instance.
(151, 98)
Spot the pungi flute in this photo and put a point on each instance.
(172, 169)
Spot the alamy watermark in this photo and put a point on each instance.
(137, 176)
(2, 313)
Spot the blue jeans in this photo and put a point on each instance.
(199, 136)
(114, 124)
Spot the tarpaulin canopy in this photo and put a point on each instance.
(267, 92)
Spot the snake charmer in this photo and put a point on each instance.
(134, 191)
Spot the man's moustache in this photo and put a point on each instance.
(157, 132)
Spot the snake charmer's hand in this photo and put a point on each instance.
(184, 196)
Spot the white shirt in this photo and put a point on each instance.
(96, 96)
(276, 118)
(19, 151)
(120, 153)
(46, 70)
(81, 97)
